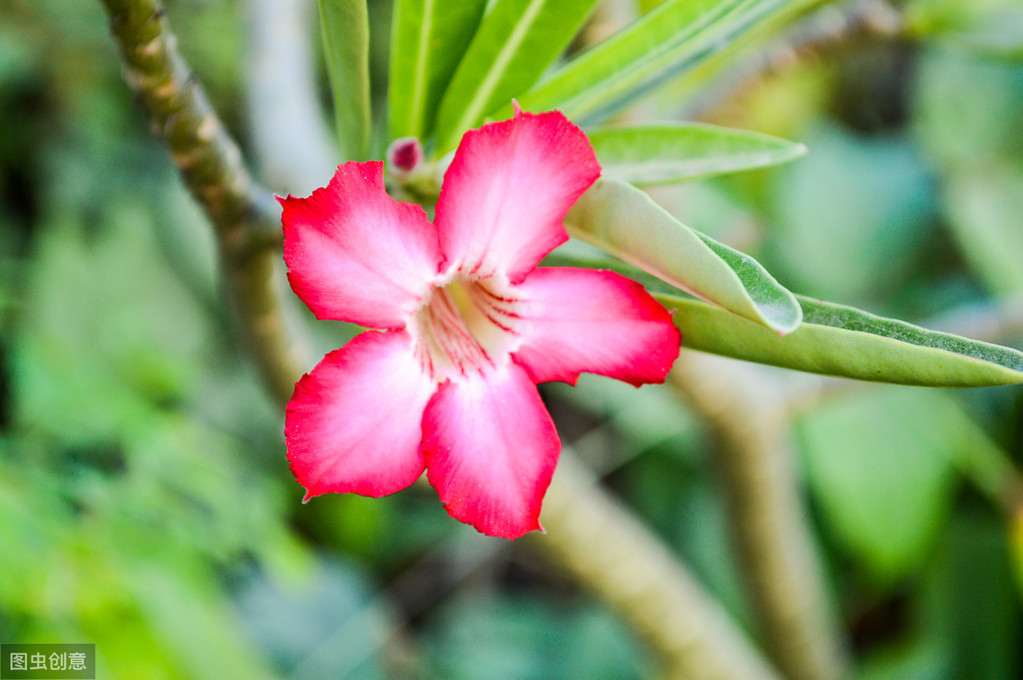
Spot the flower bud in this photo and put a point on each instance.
(403, 156)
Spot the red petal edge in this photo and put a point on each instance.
(354, 253)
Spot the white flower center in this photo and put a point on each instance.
(465, 325)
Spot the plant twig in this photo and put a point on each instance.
(607, 549)
(245, 217)
(771, 531)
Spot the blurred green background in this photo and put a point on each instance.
(145, 500)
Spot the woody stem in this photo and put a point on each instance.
(245, 217)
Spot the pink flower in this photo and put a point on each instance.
(470, 325)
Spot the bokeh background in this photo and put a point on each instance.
(145, 501)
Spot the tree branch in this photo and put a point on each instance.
(245, 216)
(601, 544)
(772, 535)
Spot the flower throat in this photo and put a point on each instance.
(466, 325)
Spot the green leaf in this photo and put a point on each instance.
(879, 463)
(968, 605)
(847, 342)
(193, 622)
(985, 211)
(669, 40)
(851, 219)
(660, 153)
(428, 40)
(957, 135)
(344, 25)
(1016, 545)
(627, 223)
(96, 293)
(744, 31)
(516, 42)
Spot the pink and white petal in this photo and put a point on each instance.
(490, 449)
(575, 320)
(354, 253)
(354, 424)
(508, 189)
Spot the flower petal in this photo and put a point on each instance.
(354, 422)
(507, 190)
(576, 320)
(354, 253)
(491, 448)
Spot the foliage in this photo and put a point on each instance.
(145, 503)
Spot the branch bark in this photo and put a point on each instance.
(245, 217)
(607, 549)
(771, 532)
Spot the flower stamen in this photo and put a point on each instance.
(464, 326)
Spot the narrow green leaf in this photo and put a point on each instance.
(625, 59)
(661, 153)
(625, 222)
(847, 342)
(344, 25)
(672, 38)
(645, 6)
(428, 39)
(739, 32)
(515, 43)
